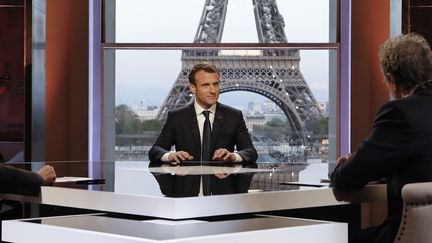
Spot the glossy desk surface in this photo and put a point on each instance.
(101, 228)
(195, 190)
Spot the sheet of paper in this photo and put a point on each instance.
(72, 179)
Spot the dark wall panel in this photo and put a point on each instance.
(418, 16)
(12, 104)
(12, 79)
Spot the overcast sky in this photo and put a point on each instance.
(149, 75)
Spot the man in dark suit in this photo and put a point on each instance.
(185, 128)
(399, 147)
(13, 180)
(17, 181)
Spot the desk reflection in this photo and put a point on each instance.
(195, 180)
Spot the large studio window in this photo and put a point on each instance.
(287, 92)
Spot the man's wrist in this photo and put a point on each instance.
(166, 157)
(238, 158)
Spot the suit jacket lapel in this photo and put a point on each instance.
(194, 126)
(217, 124)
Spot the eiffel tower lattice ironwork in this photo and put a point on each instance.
(274, 74)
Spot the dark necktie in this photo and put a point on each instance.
(205, 147)
(205, 151)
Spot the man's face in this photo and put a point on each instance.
(206, 88)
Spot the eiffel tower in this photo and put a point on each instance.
(274, 74)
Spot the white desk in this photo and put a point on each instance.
(146, 204)
(137, 193)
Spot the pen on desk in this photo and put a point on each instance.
(93, 181)
(301, 184)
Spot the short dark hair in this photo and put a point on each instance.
(409, 58)
(204, 66)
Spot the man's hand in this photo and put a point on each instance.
(179, 156)
(177, 170)
(48, 175)
(342, 159)
(224, 155)
(222, 172)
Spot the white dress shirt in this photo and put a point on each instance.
(201, 118)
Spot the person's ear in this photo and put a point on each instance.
(391, 81)
(394, 88)
(192, 88)
(390, 77)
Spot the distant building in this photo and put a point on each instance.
(259, 120)
(269, 106)
(267, 109)
(323, 107)
(146, 114)
(279, 115)
(255, 107)
(145, 111)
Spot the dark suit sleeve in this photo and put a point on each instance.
(244, 144)
(380, 154)
(165, 140)
(13, 180)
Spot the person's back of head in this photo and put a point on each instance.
(409, 58)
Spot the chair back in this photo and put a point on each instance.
(416, 223)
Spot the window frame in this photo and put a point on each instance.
(342, 103)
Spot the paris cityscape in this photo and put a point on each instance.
(290, 123)
(137, 128)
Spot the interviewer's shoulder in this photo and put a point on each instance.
(408, 104)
